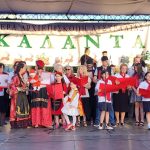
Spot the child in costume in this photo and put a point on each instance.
(144, 91)
(56, 92)
(104, 99)
(34, 80)
(70, 107)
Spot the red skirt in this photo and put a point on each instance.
(57, 105)
(42, 116)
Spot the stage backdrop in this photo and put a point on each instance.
(30, 43)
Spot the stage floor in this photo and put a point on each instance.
(128, 137)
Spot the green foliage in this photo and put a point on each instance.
(124, 60)
(146, 55)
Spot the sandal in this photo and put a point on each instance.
(78, 124)
(117, 124)
(141, 124)
(84, 124)
(122, 123)
(137, 123)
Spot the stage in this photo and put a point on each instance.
(128, 137)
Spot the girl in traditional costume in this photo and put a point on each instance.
(70, 107)
(56, 92)
(19, 109)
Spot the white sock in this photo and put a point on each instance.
(74, 120)
(67, 119)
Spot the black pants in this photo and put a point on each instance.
(93, 101)
(86, 107)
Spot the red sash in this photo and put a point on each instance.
(80, 82)
(145, 93)
(103, 92)
(125, 82)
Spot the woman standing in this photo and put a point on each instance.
(40, 103)
(84, 85)
(121, 99)
(69, 73)
(137, 100)
(19, 109)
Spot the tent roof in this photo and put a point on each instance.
(107, 7)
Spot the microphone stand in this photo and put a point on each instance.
(105, 95)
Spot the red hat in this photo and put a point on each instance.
(40, 63)
(32, 71)
(59, 73)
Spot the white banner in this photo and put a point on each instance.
(69, 48)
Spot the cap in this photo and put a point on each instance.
(40, 63)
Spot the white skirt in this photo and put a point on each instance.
(70, 110)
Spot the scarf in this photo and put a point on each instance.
(83, 81)
(148, 88)
(104, 93)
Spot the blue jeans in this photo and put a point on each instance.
(112, 117)
(97, 117)
(98, 113)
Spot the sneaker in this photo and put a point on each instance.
(113, 125)
(109, 128)
(148, 126)
(100, 127)
(96, 125)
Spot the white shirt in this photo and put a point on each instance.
(2, 93)
(144, 85)
(102, 98)
(118, 75)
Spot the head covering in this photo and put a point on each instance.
(104, 58)
(59, 73)
(32, 71)
(40, 63)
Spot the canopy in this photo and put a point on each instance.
(107, 7)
